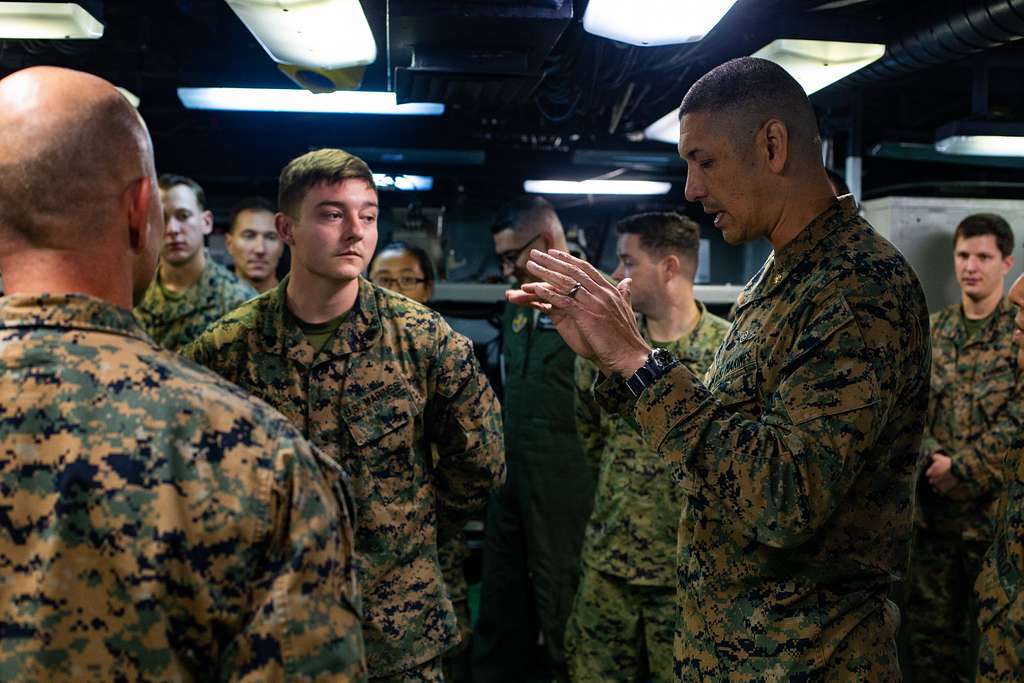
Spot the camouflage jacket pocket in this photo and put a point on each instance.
(383, 427)
(374, 414)
(994, 392)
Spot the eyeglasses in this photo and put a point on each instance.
(403, 282)
(512, 255)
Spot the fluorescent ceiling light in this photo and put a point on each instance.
(819, 63)
(654, 22)
(47, 21)
(291, 100)
(417, 183)
(630, 187)
(665, 129)
(981, 138)
(315, 34)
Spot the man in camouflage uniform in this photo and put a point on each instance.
(535, 523)
(973, 416)
(374, 379)
(998, 591)
(797, 454)
(190, 289)
(623, 621)
(155, 523)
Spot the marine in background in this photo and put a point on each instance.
(190, 289)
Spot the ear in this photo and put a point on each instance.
(228, 241)
(1007, 264)
(775, 137)
(285, 228)
(671, 265)
(207, 217)
(139, 197)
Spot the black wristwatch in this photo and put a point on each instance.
(658, 364)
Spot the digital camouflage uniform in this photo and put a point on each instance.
(797, 459)
(998, 591)
(624, 617)
(973, 416)
(155, 522)
(393, 380)
(535, 523)
(174, 322)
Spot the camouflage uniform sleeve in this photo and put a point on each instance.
(979, 468)
(591, 421)
(306, 617)
(779, 476)
(464, 420)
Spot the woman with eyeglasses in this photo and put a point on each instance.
(405, 269)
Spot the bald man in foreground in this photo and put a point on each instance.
(155, 523)
(796, 455)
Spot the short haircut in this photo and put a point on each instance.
(746, 93)
(420, 254)
(519, 213)
(321, 166)
(838, 182)
(664, 233)
(169, 180)
(986, 224)
(249, 204)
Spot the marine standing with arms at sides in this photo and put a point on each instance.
(624, 618)
(157, 523)
(797, 454)
(373, 379)
(190, 289)
(408, 270)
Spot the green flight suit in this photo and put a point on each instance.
(535, 523)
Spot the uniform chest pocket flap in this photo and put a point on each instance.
(372, 415)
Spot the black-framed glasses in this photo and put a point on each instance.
(512, 255)
(403, 282)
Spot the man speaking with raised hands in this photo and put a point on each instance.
(797, 454)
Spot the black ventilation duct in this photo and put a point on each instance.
(965, 29)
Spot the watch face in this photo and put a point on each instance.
(661, 357)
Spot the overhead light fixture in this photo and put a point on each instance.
(50, 20)
(290, 100)
(406, 183)
(654, 22)
(320, 44)
(816, 64)
(981, 138)
(622, 187)
(665, 129)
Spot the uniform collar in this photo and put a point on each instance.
(953, 326)
(194, 298)
(70, 311)
(358, 332)
(798, 255)
(691, 338)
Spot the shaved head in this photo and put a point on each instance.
(79, 207)
(745, 93)
(72, 143)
